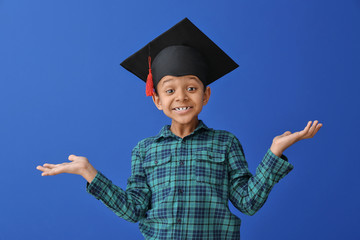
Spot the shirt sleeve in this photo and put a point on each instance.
(131, 204)
(248, 192)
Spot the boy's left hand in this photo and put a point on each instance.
(282, 142)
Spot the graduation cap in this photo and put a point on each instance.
(181, 50)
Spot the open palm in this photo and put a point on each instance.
(282, 142)
(76, 166)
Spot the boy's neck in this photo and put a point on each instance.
(183, 130)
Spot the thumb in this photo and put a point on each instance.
(286, 133)
(72, 157)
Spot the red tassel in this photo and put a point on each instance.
(149, 81)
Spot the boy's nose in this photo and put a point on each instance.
(181, 95)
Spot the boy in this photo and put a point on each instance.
(183, 177)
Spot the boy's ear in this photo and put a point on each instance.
(156, 100)
(207, 94)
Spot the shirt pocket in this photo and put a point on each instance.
(210, 167)
(157, 171)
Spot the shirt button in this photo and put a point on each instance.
(156, 162)
(178, 220)
(182, 162)
(181, 190)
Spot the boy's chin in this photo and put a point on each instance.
(184, 120)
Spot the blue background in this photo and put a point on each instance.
(63, 92)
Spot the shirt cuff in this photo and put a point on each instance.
(98, 185)
(274, 166)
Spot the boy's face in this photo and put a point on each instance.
(181, 98)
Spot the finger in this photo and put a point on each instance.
(312, 129)
(286, 133)
(72, 157)
(44, 168)
(293, 137)
(308, 126)
(41, 168)
(317, 128)
(48, 173)
(54, 171)
(45, 171)
(301, 134)
(49, 165)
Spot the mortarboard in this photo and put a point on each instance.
(181, 50)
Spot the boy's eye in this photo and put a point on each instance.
(169, 91)
(191, 88)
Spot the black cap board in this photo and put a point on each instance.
(181, 50)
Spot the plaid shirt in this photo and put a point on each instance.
(179, 187)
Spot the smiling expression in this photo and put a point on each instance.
(181, 98)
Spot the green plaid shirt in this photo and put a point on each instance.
(179, 187)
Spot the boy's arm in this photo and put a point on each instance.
(131, 204)
(248, 193)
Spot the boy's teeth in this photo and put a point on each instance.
(179, 109)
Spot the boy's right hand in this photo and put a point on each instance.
(78, 165)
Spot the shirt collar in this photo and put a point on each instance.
(166, 132)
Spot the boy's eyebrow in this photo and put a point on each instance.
(170, 79)
(167, 80)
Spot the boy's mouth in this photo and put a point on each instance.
(178, 109)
